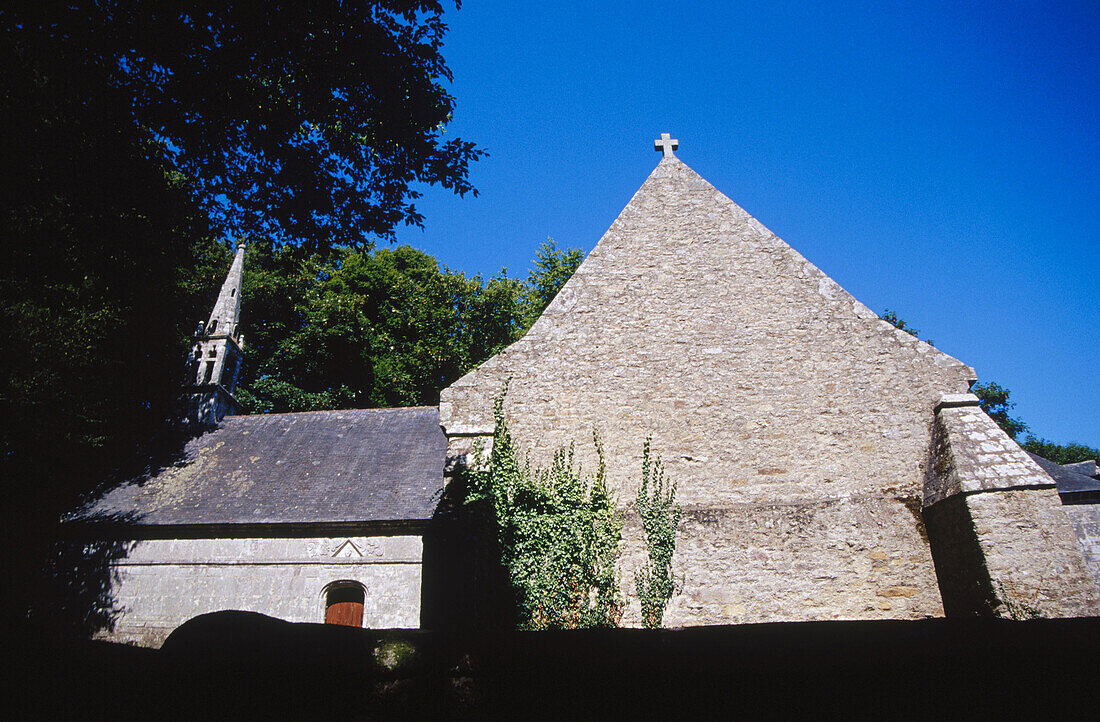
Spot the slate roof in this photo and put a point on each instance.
(373, 465)
(1066, 480)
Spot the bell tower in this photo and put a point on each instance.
(214, 364)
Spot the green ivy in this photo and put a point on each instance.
(558, 532)
(660, 516)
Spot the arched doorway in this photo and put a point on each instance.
(344, 604)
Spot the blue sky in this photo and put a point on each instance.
(941, 160)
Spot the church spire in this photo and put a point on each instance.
(227, 310)
(214, 364)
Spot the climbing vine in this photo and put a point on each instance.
(660, 516)
(558, 533)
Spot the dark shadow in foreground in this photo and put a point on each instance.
(245, 665)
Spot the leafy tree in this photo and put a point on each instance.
(553, 267)
(98, 235)
(133, 134)
(660, 517)
(1061, 453)
(993, 399)
(892, 318)
(292, 121)
(558, 532)
(366, 329)
(384, 328)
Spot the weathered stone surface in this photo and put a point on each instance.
(810, 561)
(1031, 554)
(794, 421)
(971, 453)
(1009, 553)
(1002, 541)
(1085, 519)
(665, 145)
(164, 582)
(214, 363)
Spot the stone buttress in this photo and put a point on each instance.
(1001, 539)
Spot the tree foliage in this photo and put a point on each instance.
(98, 236)
(133, 134)
(291, 121)
(660, 517)
(553, 267)
(558, 533)
(892, 318)
(993, 399)
(1061, 453)
(895, 320)
(384, 328)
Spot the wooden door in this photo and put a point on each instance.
(345, 606)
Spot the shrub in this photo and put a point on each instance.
(660, 516)
(558, 533)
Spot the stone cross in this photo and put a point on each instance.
(666, 145)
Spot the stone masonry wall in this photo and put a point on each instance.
(1002, 541)
(165, 582)
(1085, 519)
(794, 421)
(1031, 554)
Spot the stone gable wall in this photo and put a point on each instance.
(794, 421)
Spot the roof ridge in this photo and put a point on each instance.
(265, 415)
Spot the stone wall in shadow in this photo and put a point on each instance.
(465, 585)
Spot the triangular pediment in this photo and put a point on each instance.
(686, 276)
(347, 550)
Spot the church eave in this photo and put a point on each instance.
(123, 531)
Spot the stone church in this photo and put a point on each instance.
(829, 465)
(316, 516)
